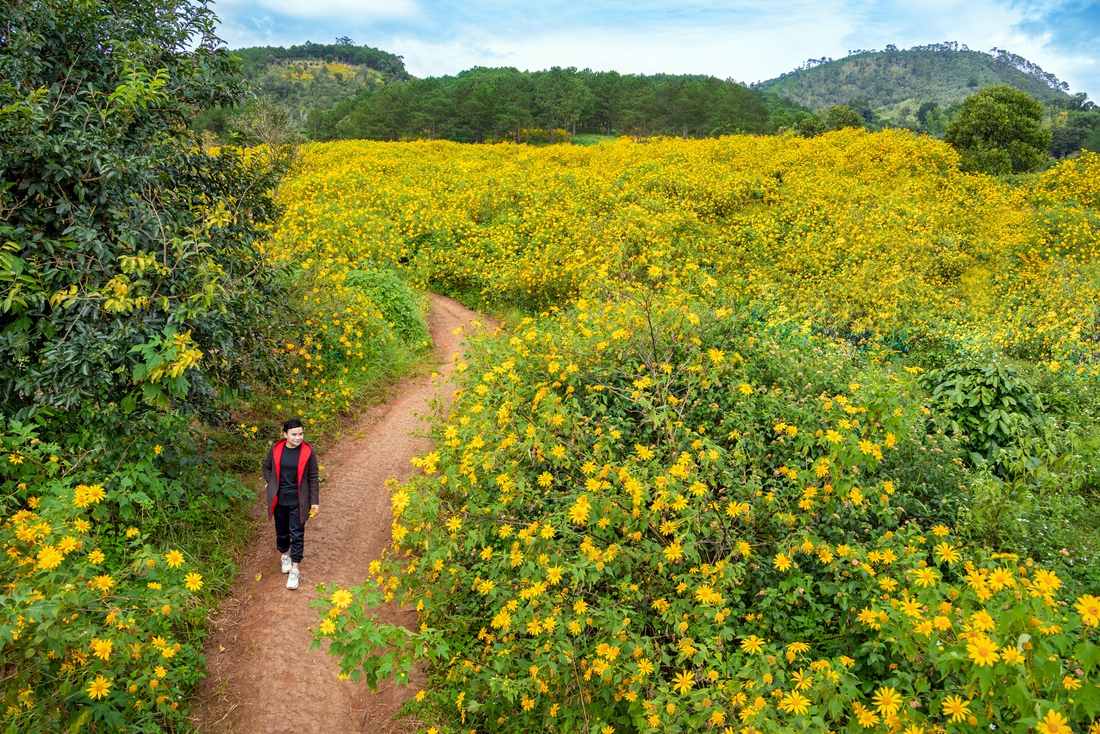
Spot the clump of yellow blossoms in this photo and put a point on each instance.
(612, 528)
(83, 623)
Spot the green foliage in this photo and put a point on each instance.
(932, 119)
(402, 308)
(989, 404)
(839, 117)
(783, 112)
(308, 77)
(1076, 130)
(1045, 506)
(484, 104)
(808, 125)
(122, 241)
(999, 130)
(1092, 142)
(1041, 513)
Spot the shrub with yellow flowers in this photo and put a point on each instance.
(95, 633)
(645, 513)
(349, 330)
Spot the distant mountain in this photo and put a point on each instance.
(341, 90)
(894, 83)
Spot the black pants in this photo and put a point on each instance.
(290, 532)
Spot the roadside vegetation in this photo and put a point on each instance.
(148, 341)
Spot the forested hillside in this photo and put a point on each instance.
(490, 104)
(342, 91)
(903, 87)
(310, 76)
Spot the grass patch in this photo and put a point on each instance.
(593, 139)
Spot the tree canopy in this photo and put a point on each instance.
(129, 252)
(840, 116)
(483, 104)
(999, 130)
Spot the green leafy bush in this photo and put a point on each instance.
(128, 252)
(396, 300)
(999, 130)
(989, 404)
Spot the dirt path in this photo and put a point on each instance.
(261, 676)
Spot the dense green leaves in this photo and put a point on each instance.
(999, 130)
(990, 404)
(117, 234)
(485, 104)
(841, 116)
(399, 305)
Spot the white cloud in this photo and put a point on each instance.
(754, 47)
(354, 11)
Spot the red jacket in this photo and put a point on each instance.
(307, 470)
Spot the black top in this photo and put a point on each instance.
(288, 476)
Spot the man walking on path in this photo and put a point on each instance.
(290, 471)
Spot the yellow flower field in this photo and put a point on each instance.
(860, 235)
(676, 500)
(649, 515)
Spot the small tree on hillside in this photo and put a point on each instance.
(840, 116)
(999, 130)
(808, 125)
(272, 125)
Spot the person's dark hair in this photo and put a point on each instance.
(292, 423)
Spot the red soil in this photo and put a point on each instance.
(261, 674)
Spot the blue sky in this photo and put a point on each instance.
(747, 40)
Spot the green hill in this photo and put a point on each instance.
(318, 75)
(895, 84)
(311, 76)
(484, 104)
(342, 90)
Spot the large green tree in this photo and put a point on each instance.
(128, 255)
(999, 130)
(841, 116)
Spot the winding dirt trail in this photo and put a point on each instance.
(261, 675)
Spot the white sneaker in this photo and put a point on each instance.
(286, 562)
(292, 579)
